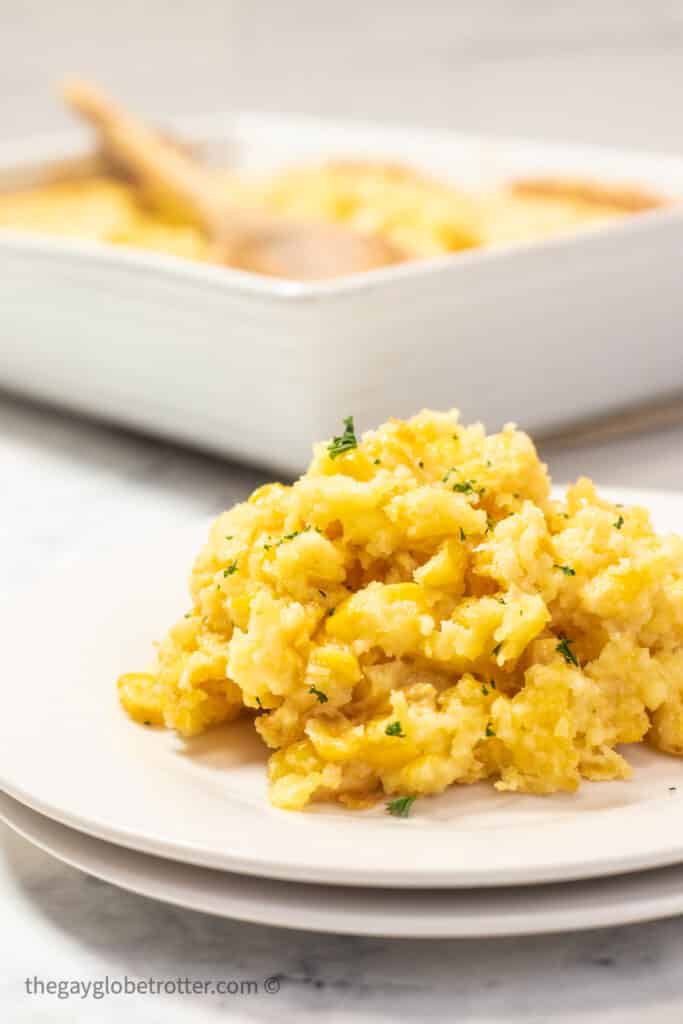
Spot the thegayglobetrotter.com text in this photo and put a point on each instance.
(109, 987)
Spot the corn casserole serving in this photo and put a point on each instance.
(417, 611)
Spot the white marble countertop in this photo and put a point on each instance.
(70, 487)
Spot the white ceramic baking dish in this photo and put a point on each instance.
(544, 334)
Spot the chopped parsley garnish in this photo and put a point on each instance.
(484, 689)
(496, 649)
(330, 611)
(322, 593)
(444, 478)
(229, 536)
(378, 462)
(290, 536)
(258, 701)
(394, 729)
(293, 534)
(231, 569)
(322, 697)
(463, 535)
(567, 653)
(492, 683)
(566, 569)
(619, 523)
(464, 487)
(490, 523)
(400, 807)
(421, 464)
(489, 730)
(456, 437)
(343, 442)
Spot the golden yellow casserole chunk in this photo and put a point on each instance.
(416, 611)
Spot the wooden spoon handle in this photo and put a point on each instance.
(156, 164)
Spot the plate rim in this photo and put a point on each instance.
(344, 917)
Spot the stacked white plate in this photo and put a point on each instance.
(189, 822)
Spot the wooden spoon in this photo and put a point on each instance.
(249, 240)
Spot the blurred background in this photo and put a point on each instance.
(609, 72)
(605, 72)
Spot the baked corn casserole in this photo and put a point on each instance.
(418, 215)
(418, 611)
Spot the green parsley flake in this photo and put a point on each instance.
(484, 689)
(490, 524)
(295, 533)
(496, 649)
(343, 442)
(619, 523)
(566, 569)
(378, 462)
(322, 697)
(565, 650)
(400, 807)
(322, 593)
(258, 701)
(394, 729)
(465, 487)
(229, 536)
(231, 569)
(489, 730)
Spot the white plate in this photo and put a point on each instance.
(464, 913)
(69, 751)
(221, 358)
